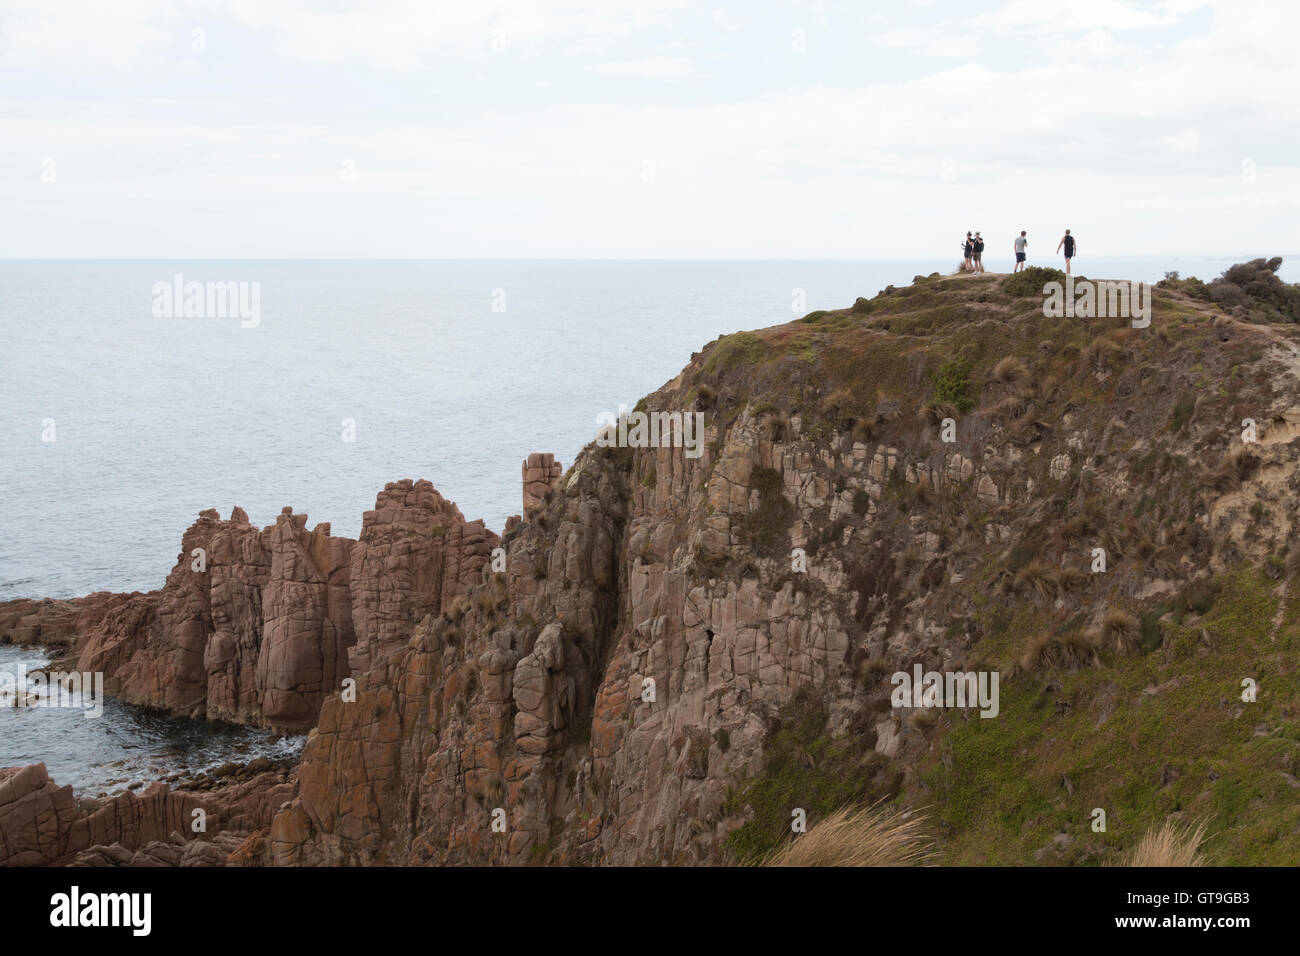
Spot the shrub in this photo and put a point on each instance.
(1255, 285)
(1030, 281)
(952, 385)
(766, 527)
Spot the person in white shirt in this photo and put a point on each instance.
(1020, 244)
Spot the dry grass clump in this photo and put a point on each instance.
(1012, 408)
(1100, 354)
(1170, 844)
(867, 836)
(1011, 371)
(936, 411)
(1042, 580)
(1034, 578)
(1069, 652)
(1121, 632)
(1238, 466)
(1067, 578)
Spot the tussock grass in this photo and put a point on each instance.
(1237, 466)
(1069, 652)
(1011, 370)
(1121, 632)
(1037, 578)
(868, 836)
(1100, 354)
(1170, 844)
(1068, 578)
(936, 411)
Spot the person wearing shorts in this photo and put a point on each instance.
(978, 253)
(1020, 244)
(1067, 242)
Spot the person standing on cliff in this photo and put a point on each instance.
(969, 250)
(1070, 246)
(979, 253)
(1020, 244)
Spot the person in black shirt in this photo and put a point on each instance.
(969, 250)
(978, 253)
(1070, 246)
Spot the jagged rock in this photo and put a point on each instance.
(41, 823)
(416, 552)
(541, 473)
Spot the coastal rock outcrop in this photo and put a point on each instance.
(42, 823)
(258, 626)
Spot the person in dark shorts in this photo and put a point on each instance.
(968, 249)
(1020, 244)
(978, 253)
(1067, 241)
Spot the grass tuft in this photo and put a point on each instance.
(868, 836)
(1170, 844)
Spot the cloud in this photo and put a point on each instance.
(555, 159)
(649, 68)
(929, 42)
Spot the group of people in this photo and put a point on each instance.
(973, 251)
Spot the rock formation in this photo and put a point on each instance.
(540, 473)
(43, 823)
(256, 625)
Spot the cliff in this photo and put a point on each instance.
(679, 651)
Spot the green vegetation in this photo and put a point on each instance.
(1182, 412)
(1252, 287)
(1142, 738)
(804, 767)
(952, 385)
(766, 528)
(742, 348)
(1029, 282)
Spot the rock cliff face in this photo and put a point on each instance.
(679, 649)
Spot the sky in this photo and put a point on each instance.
(646, 129)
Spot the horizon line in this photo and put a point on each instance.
(1117, 255)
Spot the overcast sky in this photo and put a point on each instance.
(645, 128)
